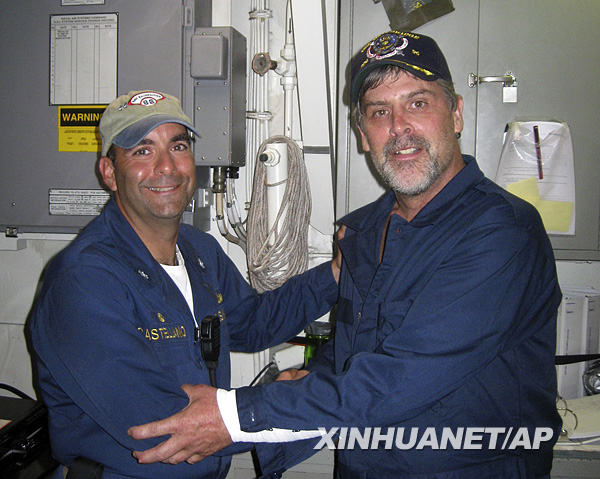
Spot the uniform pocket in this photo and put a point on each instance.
(172, 354)
(171, 343)
(390, 318)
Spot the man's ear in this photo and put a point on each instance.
(107, 171)
(458, 118)
(365, 142)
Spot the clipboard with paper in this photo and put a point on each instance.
(537, 165)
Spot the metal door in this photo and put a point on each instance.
(552, 48)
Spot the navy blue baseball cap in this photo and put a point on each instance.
(416, 53)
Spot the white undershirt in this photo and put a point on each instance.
(226, 400)
(180, 277)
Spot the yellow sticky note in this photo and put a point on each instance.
(526, 189)
(556, 215)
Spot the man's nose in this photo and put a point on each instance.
(401, 124)
(164, 163)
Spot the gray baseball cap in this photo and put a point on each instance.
(129, 118)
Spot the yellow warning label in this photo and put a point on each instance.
(78, 127)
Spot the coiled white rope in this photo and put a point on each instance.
(271, 265)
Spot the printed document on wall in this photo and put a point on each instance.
(83, 59)
(536, 164)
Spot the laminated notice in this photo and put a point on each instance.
(74, 202)
(536, 165)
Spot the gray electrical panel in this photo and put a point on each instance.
(63, 61)
(218, 66)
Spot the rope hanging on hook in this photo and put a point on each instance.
(271, 265)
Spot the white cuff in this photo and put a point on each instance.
(226, 400)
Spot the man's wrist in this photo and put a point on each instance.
(227, 403)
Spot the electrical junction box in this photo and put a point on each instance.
(218, 66)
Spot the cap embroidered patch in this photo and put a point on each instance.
(146, 98)
(386, 46)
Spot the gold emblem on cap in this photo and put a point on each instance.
(160, 317)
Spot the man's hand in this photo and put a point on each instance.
(196, 431)
(292, 374)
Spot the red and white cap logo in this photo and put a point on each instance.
(147, 98)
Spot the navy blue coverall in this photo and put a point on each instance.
(114, 338)
(454, 328)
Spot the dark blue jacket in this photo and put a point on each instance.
(455, 328)
(114, 338)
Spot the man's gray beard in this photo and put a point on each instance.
(393, 176)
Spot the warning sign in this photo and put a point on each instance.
(78, 128)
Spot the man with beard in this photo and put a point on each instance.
(446, 319)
